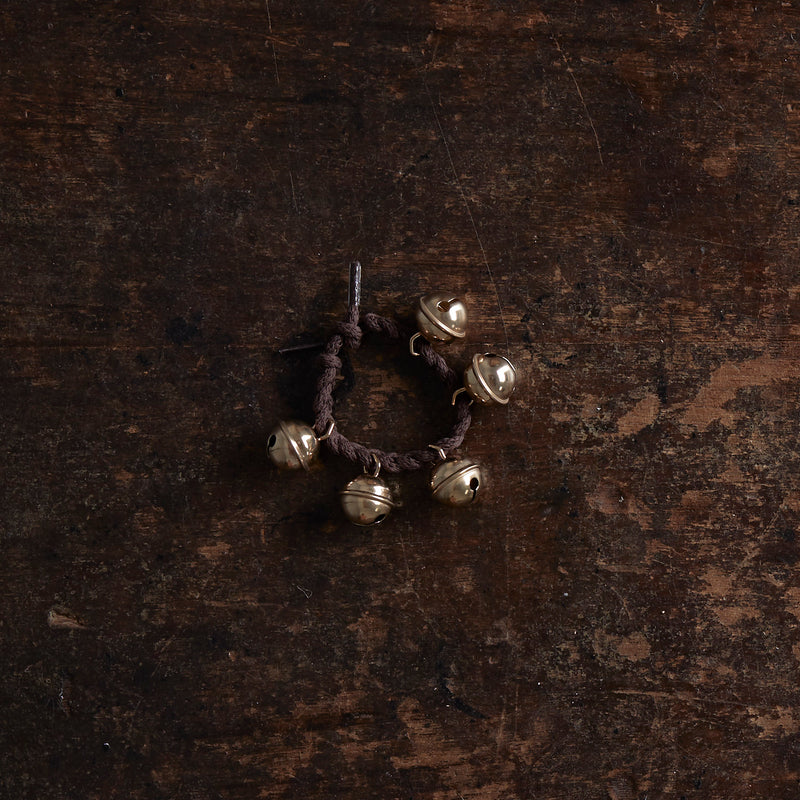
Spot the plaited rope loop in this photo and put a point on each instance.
(349, 334)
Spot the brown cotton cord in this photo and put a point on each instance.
(348, 335)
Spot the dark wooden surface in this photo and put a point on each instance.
(613, 186)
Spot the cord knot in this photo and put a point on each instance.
(351, 334)
(330, 361)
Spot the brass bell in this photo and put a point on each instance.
(456, 481)
(292, 445)
(441, 317)
(366, 500)
(489, 379)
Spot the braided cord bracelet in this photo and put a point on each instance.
(367, 500)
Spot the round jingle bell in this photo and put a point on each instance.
(456, 481)
(489, 379)
(441, 317)
(366, 500)
(292, 445)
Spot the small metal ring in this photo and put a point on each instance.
(456, 393)
(377, 469)
(328, 430)
(411, 341)
(439, 450)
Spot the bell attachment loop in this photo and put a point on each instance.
(328, 430)
(411, 341)
(456, 393)
(439, 450)
(377, 468)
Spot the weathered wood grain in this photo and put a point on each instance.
(614, 189)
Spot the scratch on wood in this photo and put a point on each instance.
(294, 196)
(272, 42)
(684, 696)
(58, 620)
(583, 102)
(620, 598)
(702, 11)
(671, 234)
(469, 212)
